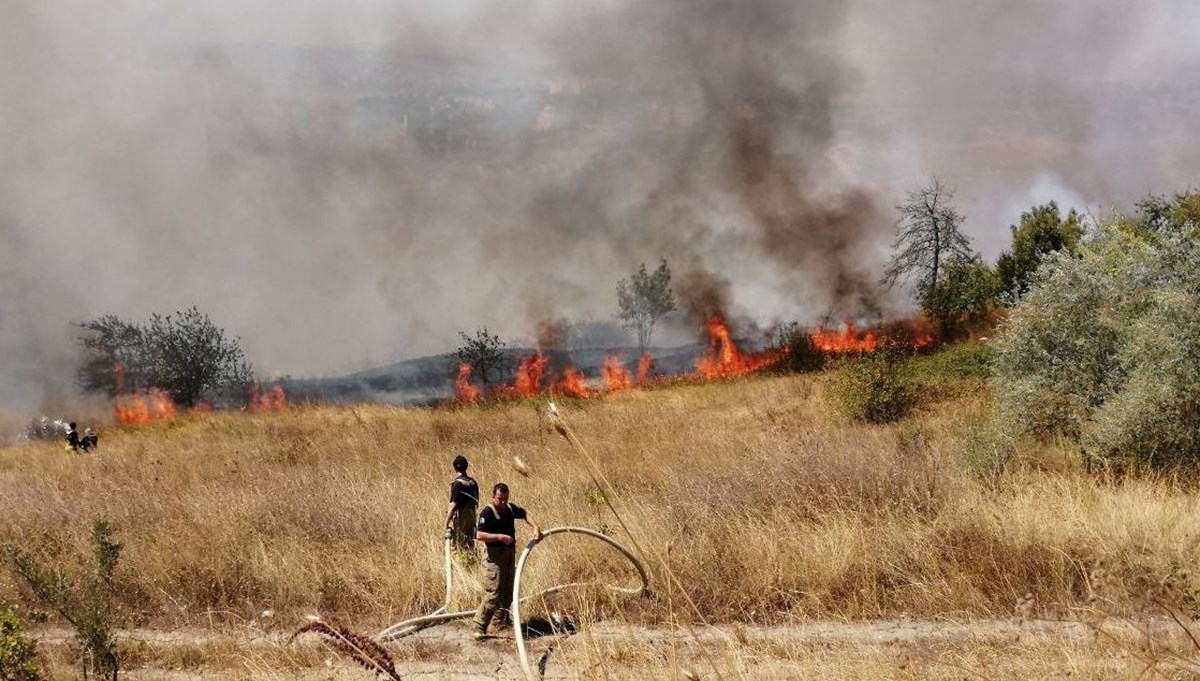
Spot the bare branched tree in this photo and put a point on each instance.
(928, 237)
(643, 299)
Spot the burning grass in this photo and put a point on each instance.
(722, 360)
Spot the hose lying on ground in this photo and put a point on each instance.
(440, 616)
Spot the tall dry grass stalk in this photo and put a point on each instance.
(774, 508)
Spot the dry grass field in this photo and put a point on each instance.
(761, 509)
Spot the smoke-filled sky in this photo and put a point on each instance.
(346, 183)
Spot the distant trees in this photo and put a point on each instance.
(484, 352)
(1104, 348)
(643, 299)
(183, 354)
(1042, 230)
(928, 237)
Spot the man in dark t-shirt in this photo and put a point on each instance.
(497, 529)
(464, 499)
(72, 437)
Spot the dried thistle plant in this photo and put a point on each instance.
(362, 649)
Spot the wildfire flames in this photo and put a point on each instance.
(149, 406)
(722, 360)
(144, 407)
(572, 384)
(265, 402)
(616, 376)
(848, 340)
(463, 390)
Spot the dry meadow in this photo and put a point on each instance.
(762, 512)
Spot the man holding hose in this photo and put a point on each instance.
(497, 530)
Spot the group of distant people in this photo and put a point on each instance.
(495, 526)
(88, 442)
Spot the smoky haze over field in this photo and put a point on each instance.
(347, 183)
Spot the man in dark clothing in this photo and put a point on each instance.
(90, 440)
(497, 529)
(72, 437)
(464, 499)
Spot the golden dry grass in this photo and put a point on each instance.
(763, 500)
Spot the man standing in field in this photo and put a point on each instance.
(464, 499)
(497, 530)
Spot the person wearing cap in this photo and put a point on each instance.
(498, 531)
(464, 499)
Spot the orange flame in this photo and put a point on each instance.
(529, 377)
(144, 407)
(572, 384)
(846, 341)
(463, 390)
(723, 360)
(616, 376)
(644, 366)
(269, 401)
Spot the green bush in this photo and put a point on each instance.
(875, 389)
(84, 601)
(18, 653)
(1104, 349)
(959, 362)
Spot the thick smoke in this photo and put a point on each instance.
(345, 184)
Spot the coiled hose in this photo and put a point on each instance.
(440, 616)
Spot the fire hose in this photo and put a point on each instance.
(440, 616)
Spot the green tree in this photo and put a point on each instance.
(184, 354)
(1158, 216)
(1042, 230)
(484, 352)
(1104, 349)
(116, 357)
(963, 298)
(643, 299)
(928, 237)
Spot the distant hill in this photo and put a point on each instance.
(428, 380)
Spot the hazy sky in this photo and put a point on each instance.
(160, 155)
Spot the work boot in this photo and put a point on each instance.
(479, 631)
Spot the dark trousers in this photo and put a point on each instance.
(464, 529)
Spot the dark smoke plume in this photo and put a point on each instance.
(344, 184)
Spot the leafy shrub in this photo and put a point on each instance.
(85, 603)
(800, 355)
(18, 653)
(960, 362)
(875, 389)
(1104, 349)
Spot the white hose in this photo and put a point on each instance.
(518, 634)
(440, 616)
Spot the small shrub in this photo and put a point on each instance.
(875, 389)
(988, 452)
(961, 362)
(18, 653)
(800, 355)
(85, 603)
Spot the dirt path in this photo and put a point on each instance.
(619, 650)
